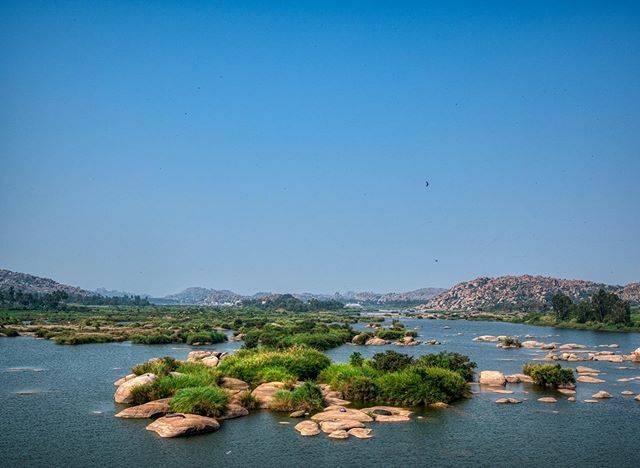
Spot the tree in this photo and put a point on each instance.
(562, 305)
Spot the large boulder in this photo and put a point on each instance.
(586, 370)
(532, 344)
(265, 392)
(233, 410)
(492, 378)
(234, 385)
(152, 409)
(307, 428)
(375, 341)
(211, 361)
(200, 355)
(124, 379)
(341, 434)
(360, 433)
(180, 424)
(123, 393)
(519, 378)
(388, 413)
(601, 395)
(609, 357)
(341, 425)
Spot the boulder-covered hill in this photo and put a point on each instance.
(30, 284)
(520, 292)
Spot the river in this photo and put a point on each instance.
(57, 410)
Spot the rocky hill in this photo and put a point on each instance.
(204, 296)
(520, 292)
(29, 284)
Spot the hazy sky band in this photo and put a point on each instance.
(150, 146)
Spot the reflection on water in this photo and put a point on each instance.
(67, 417)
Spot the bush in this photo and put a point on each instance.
(160, 367)
(356, 383)
(307, 397)
(511, 342)
(205, 401)
(361, 338)
(155, 338)
(247, 400)
(274, 374)
(167, 386)
(206, 337)
(453, 361)
(356, 359)
(549, 375)
(84, 338)
(300, 362)
(390, 334)
(391, 361)
(417, 386)
(9, 332)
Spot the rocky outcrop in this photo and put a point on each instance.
(152, 409)
(307, 428)
(388, 413)
(518, 378)
(122, 380)
(264, 393)
(340, 425)
(341, 434)
(179, 424)
(123, 393)
(340, 413)
(375, 341)
(508, 292)
(492, 378)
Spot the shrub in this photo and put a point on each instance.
(356, 359)
(167, 386)
(412, 333)
(549, 375)
(206, 337)
(453, 361)
(390, 334)
(160, 367)
(247, 400)
(9, 332)
(391, 361)
(361, 338)
(205, 401)
(300, 362)
(155, 338)
(415, 386)
(274, 374)
(511, 342)
(307, 397)
(357, 383)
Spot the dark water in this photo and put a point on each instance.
(57, 426)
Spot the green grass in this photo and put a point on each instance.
(203, 400)
(307, 397)
(206, 337)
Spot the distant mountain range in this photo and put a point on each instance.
(501, 293)
(521, 292)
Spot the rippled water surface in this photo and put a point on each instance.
(57, 409)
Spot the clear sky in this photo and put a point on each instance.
(285, 146)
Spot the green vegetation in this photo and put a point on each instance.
(549, 375)
(206, 337)
(307, 397)
(205, 401)
(57, 300)
(160, 367)
(256, 366)
(167, 385)
(602, 307)
(396, 378)
(510, 342)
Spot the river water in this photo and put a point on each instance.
(57, 409)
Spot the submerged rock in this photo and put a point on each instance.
(180, 424)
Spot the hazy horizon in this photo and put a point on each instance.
(286, 146)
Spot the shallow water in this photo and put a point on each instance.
(66, 415)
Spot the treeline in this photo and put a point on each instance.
(602, 307)
(58, 300)
(293, 304)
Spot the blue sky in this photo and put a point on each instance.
(150, 146)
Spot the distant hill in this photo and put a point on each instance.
(30, 284)
(520, 292)
(205, 296)
(115, 293)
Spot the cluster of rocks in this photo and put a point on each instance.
(590, 355)
(339, 422)
(405, 341)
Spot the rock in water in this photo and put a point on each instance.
(492, 378)
(547, 400)
(601, 394)
(233, 410)
(339, 435)
(340, 413)
(626, 392)
(297, 414)
(586, 370)
(342, 425)
(123, 393)
(180, 424)
(360, 433)
(152, 409)
(511, 401)
(588, 379)
(307, 428)
(122, 380)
